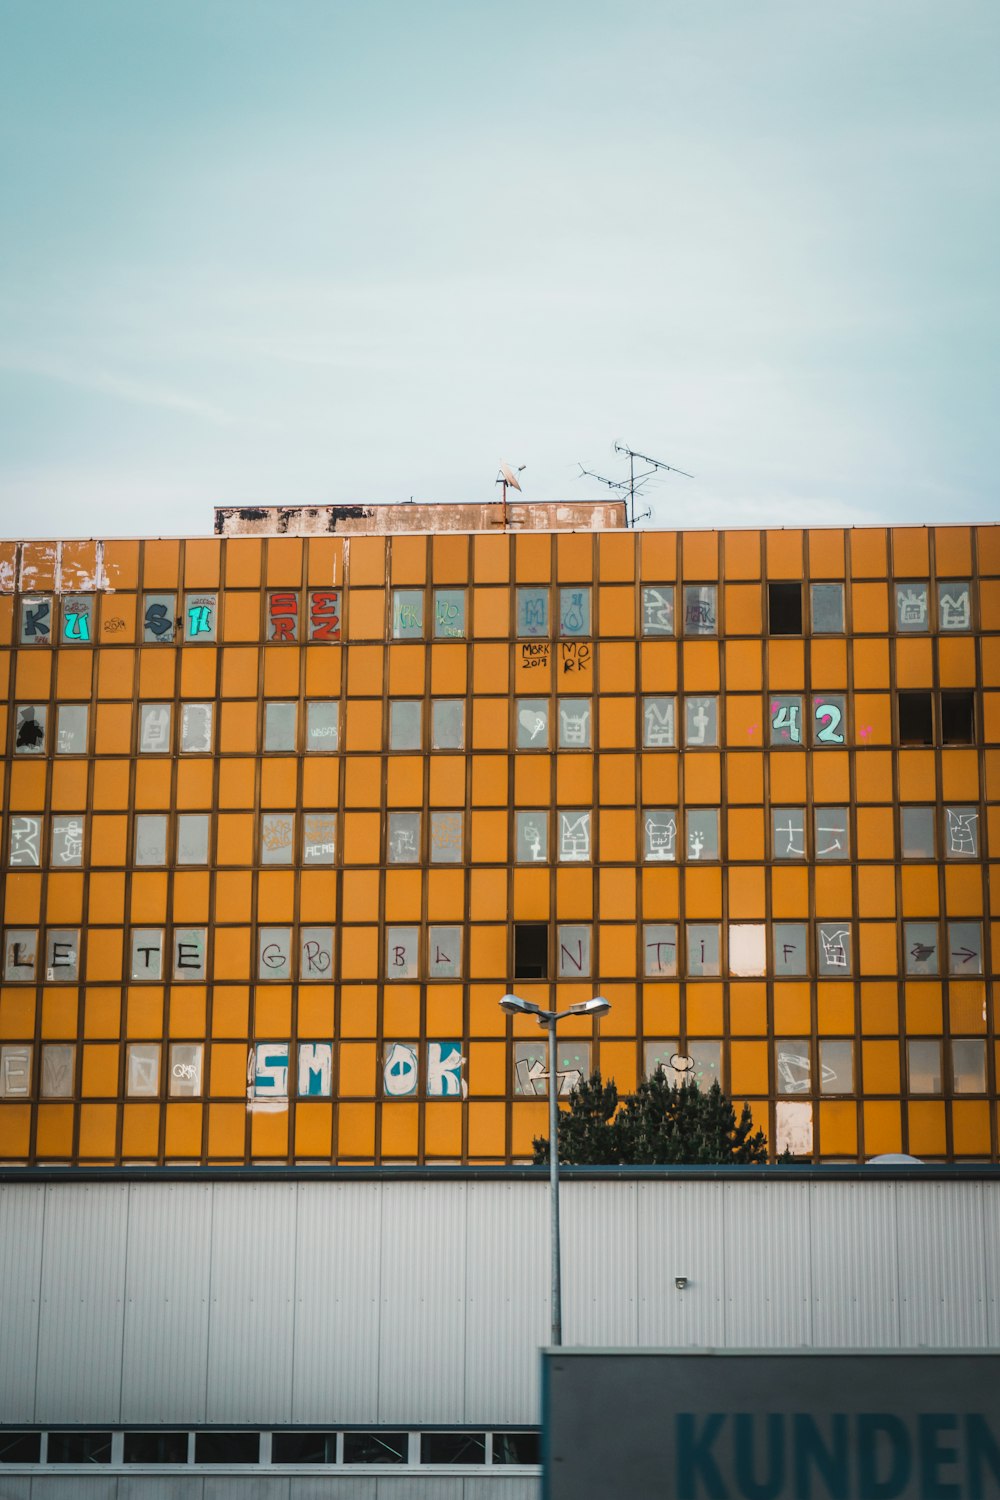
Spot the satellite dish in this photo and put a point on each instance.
(509, 477)
(894, 1159)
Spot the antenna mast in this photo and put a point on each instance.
(632, 486)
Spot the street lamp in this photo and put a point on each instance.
(548, 1019)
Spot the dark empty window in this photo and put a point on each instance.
(20, 1447)
(376, 1447)
(227, 1447)
(453, 1448)
(784, 608)
(531, 950)
(156, 1448)
(916, 719)
(79, 1447)
(958, 717)
(303, 1447)
(516, 1448)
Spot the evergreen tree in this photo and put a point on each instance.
(586, 1130)
(662, 1124)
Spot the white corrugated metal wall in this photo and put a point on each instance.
(424, 1302)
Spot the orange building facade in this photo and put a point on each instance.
(284, 817)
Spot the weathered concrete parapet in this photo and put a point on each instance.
(386, 520)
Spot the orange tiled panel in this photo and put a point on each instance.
(282, 819)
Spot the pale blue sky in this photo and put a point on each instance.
(289, 251)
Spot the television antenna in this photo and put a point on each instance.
(635, 482)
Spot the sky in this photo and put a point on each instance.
(341, 251)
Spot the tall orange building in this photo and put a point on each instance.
(286, 810)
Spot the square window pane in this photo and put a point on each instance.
(920, 948)
(78, 612)
(406, 724)
(918, 832)
(189, 948)
(192, 838)
(322, 725)
(154, 728)
(408, 614)
(658, 609)
(786, 719)
(404, 838)
(706, 1060)
(532, 723)
(961, 832)
(399, 1065)
(67, 841)
(659, 834)
(703, 949)
(449, 612)
(911, 606)
(402, 952)
(277, 838)
(532, 837)
(792, 1066)
(968, 1065)
(36, 621)
(147, 953)
(955, 604)
(659, 943)
(965, 949)
(574, 835)
(62, 954)
(702, 833)
(658, 723)
(827, 608)
(574, 611)
(25, 840)
(200, 617)
(448, 724)
(274, 953)
(196, 728)
(788, 832)
(159, 619)
(701, 721)
(150, 838)
(319, 838)
(791, 950)
(836, 1067)
(324, 614)
(29, 729)
(573, 951)
(315, 953)
(315, 1074)
(829, 711)
(924, 1066)
(447, 838)
(747, 948)
(279, 725)
(20, 953)
(661, 1054)
(15, 1070)
(833, 949)
(575, 724)
(700, 610)
(832, 836)
(283, 615)
(444, 953)
(445, 1078)
(532, 612)
(71, 728)
(58, 1070)
(142, 1070)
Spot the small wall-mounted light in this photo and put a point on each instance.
(680, 1282)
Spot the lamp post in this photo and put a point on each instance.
(548, 1019)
